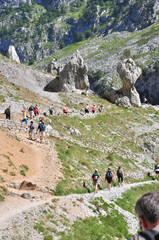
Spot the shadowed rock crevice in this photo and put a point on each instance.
(148, 85)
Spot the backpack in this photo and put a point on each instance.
(31, 126)
(157, 168)
(119, 173)
(95, 176)
(150, 234)
(109, 174)
(42, 127)
(7, 111)
(31, 108)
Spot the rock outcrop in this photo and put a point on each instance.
(148, 85)
(54, 67)
(72, 77)
(127, 96)
(12, 54)
(12, 3)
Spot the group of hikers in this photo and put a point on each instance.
(109, 177)
(41, 129)
(100, 109)
(33, 113)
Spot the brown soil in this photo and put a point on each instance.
(17, 153)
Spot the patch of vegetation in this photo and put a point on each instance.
(22, 150)
(129, 198)
(48, 237)
(3, 193)
(22, 172)
(103, 227)
(12, 174)
(40, 227)
(2, 98)
(25, 167)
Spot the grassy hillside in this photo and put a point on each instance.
(116, 137)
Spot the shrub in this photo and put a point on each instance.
(59, 190)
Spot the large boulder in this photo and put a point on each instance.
(127, 96)
(12, 54)
(72, 77)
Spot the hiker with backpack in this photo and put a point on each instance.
(36, 110)
(41, 129)
(157, 171)
(86, 108)
(31, 111)
(51, 109)
(31, 130)
(7, 112)
(120, 175)
(95, 178)
(147, 210)
(100, 109)
(109, 177)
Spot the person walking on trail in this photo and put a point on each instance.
(36, 110)
(31, 130)
(31, 111)
(120, 175)
(86, 109)
(65, 110)
(93, 109)
(147, 210)
(95, 177)
(41, 129)
(51, 109)
(101, 108)
(7, 112)
(157, 170)
(109, 177)
(24, 116)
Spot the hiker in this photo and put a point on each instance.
(86, 109)
(51, 109)
(24, 116)
(100, 109)
(120, 175)
(31, 111)
(7, 112)
(31, 130)
(36, 110)
(65, 110)
(95, 177)
(93, 109)
(109, 177)
(157, 170)
(41, 129)
(147, 210)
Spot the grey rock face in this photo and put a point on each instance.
(148, 85)
(129, 73)
(12, 3)
(72, 77)
(12, 54)
(127, 96)
(54, 67)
